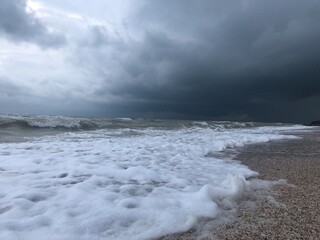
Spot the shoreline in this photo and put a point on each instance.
(284, 211)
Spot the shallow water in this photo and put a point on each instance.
(118, 178)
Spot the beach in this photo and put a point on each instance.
(88, 178)
(285, 211)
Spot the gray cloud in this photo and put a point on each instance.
(247, 60)
(18, 99)
(236, 60)
(18, 25)
(8, 88)
(9, 95)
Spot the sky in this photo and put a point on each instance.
(238, 60)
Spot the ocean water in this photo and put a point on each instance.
(94, 178)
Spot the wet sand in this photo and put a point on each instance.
(290, 211)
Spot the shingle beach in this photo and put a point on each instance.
(286, 211)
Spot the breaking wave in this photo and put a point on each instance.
(13, 122)
(31, 122)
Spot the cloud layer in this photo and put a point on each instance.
(19, 25)
(237, 60)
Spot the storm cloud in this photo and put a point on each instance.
(247, 60)
(19, 25)
(224, 60)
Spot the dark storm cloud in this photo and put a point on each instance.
(18, 25)
(247, 60)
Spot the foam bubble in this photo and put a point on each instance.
(108, 184)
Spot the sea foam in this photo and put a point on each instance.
(113, 184)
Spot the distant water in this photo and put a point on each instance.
(95, 178)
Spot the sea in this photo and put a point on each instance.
(78, 178)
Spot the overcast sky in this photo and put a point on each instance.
(196, 59)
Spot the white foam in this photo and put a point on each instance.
(108, 185)
(124, 119)
(54, 121)
(204, 124)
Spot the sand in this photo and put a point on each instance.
(285, 211)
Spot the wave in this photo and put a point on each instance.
(50, 122)
(136, 178)
(13, 122)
